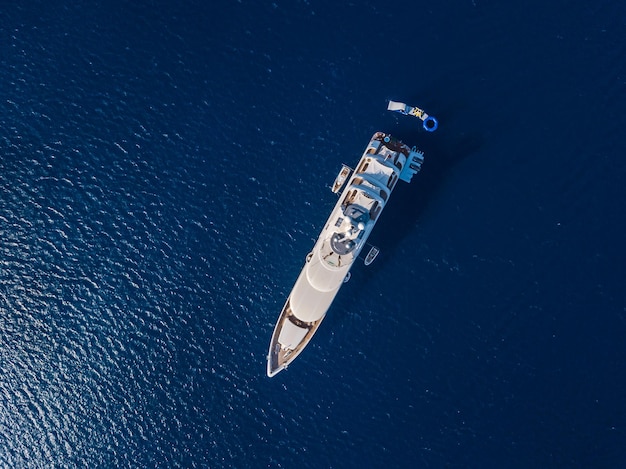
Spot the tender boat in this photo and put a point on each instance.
(371, 255)
(341, 178)
(429, 123)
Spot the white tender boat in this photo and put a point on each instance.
(385, 161)
(341, 178)
(430, 123)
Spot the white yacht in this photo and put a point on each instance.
(385, 161)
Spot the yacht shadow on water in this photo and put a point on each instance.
(409, 201)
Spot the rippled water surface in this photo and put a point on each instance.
(164, 171)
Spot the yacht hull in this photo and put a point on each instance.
(384, 162)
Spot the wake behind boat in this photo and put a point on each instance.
(384, 161)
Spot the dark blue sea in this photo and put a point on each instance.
(165, 169)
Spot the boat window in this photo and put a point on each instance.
(374, 211)
(349, 197)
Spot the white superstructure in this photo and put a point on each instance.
(384, 162)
